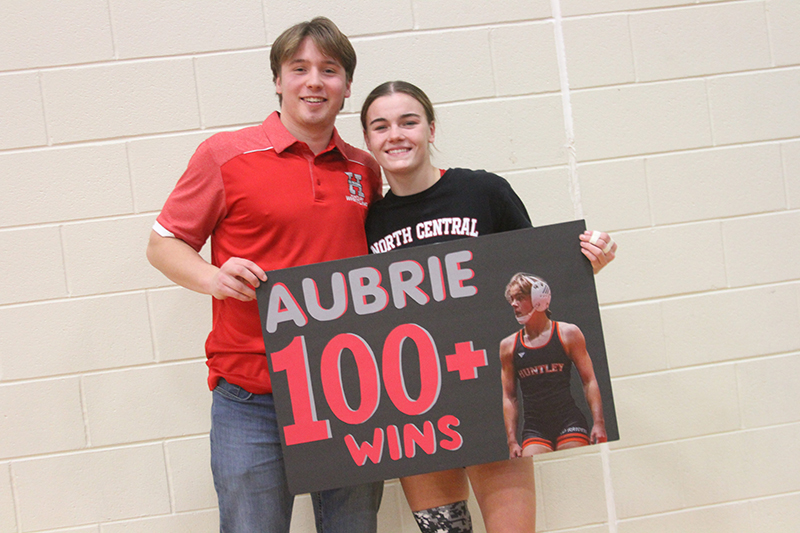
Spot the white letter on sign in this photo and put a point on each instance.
(290, 311)
(410, 286)
(371, 288)
(339, 291)
(457, 275)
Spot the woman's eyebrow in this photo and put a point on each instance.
(404, 115)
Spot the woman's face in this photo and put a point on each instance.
(398, 134)
(521, 304)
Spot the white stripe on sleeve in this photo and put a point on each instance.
(161, 230)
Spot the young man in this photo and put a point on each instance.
(286, 193)
(540, 356)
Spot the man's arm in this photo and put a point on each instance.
(598, 252)
(182, 264)
(510, 406)
(575, 346)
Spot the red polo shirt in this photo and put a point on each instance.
(260, 194)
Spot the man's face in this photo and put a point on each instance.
(313, 87)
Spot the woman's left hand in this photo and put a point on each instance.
(599, 248)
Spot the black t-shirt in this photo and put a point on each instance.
(463, 203)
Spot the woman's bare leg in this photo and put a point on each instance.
(436, 488)
(506, 494)
(439, 501)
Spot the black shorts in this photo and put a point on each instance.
(553, 432)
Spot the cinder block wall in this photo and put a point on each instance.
(675, 124)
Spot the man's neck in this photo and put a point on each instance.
(317, 138)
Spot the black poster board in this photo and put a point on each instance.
(387, 365)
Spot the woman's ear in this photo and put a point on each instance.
(433, 132)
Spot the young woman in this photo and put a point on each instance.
(399, 126)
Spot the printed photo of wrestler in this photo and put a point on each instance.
(540, 358)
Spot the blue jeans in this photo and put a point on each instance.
(250, 478)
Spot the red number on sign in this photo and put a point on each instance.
(306, 428)
(429, 371)
(294, 361)
(369, 382)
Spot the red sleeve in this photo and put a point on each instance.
(197, 204)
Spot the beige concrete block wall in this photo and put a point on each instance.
(674, 124)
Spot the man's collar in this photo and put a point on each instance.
(281, 139)
(337, 142)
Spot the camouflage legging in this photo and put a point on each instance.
(450, 518)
